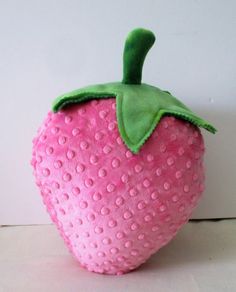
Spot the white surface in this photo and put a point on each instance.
(202, 258)
(51, 47)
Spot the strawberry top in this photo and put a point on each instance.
(139, 106)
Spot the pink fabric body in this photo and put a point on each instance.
(114, 209)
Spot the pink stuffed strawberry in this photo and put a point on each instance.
(120, 166)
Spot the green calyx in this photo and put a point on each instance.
(139, 107)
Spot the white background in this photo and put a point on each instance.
(51, 47)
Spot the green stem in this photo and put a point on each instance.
(137, 45)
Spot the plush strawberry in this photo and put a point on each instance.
(120, 166)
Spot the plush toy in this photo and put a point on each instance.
(120, 166)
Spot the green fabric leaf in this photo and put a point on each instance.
(139, 108)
